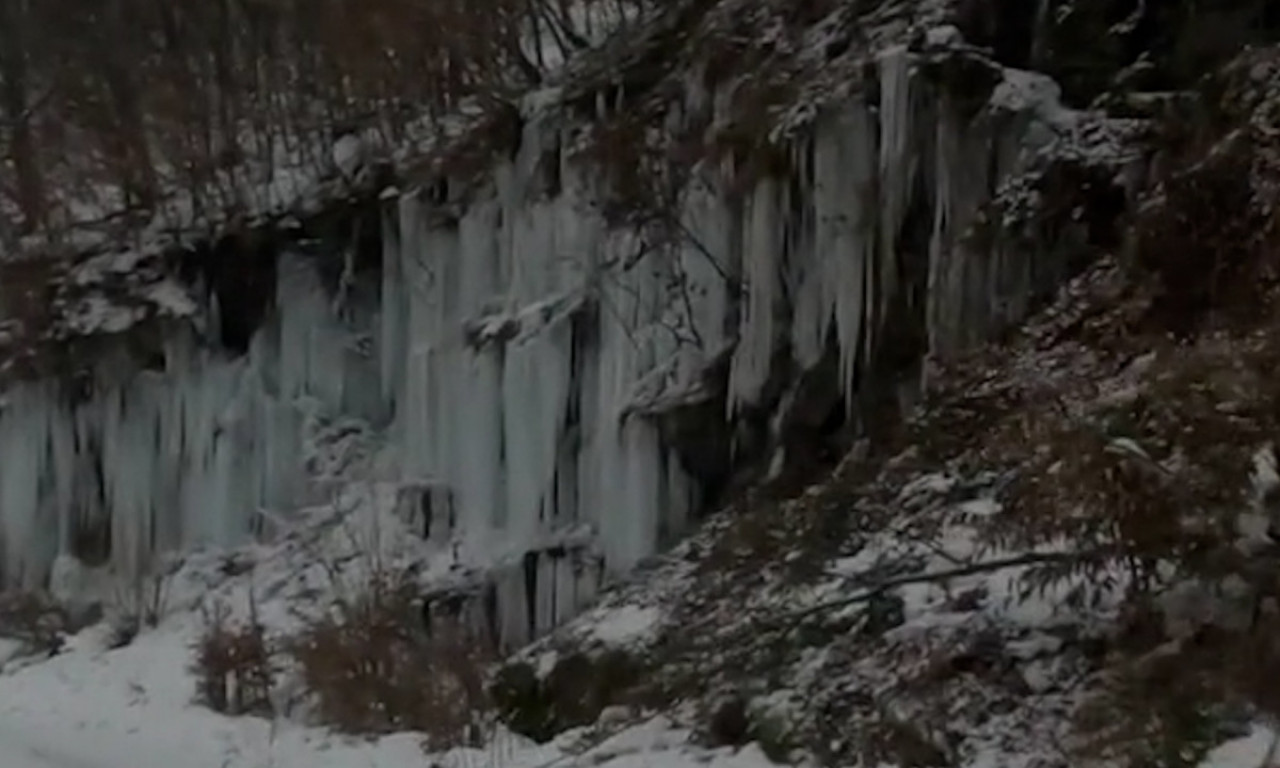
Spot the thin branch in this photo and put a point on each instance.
(990, 566)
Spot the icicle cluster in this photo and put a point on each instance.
(524, 347)
(531, 346)
(130, 463)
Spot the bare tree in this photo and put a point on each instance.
(16, 110)
(154, 96)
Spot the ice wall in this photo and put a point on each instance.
(535, 349)
(523, 354)
(127, 463)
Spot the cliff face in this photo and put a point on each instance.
(549, 389)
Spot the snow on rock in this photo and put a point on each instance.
(626, 624)
(799, 650)
(350, 154)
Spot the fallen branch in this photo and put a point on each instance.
(989, 566)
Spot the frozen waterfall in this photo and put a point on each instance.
(521, 354)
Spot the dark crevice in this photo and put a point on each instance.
(239, 271)
(491, 610)
(1006, 27)
(368, 238)
(530, 563)
(425, 509)
(702, 439)
(553, 586)
(90, 538)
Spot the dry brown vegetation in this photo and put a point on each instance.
(233, 664)
(1129, 417)
(1123, 424)
(138, 97)
(368, 666)
(371, 667)
(34, 620)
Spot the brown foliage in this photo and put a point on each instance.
(1155, 476)
(1210, 240)
(1209, 234)
(34, 620)
(233, 664)
(1141, 467)
(1127, 419)
(142, 97)
(370, 671)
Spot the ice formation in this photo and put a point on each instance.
(132, 462)
(522, 355)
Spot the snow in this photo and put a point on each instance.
(1257, 750)
(626, 624)
(91, 708)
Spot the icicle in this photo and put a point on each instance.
(813, 296)
(29, 415)
(392, 349)
(959, 309)
(707, 262)
(763, 249)
(896, 170)
(511, 344)
(844, 221)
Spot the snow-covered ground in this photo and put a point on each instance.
(92, 706)
(131, 708)
(97, 706)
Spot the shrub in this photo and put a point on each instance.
(34, 620)
(142, 602)
(1210, 239)
(1152, 485)
(1131, 455)
(234, 668)
(370, 668)
(1209, 232)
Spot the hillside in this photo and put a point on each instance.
(878, 384)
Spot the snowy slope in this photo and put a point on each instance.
(131, 707)
(91, 707)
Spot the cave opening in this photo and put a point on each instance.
(239, 270)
